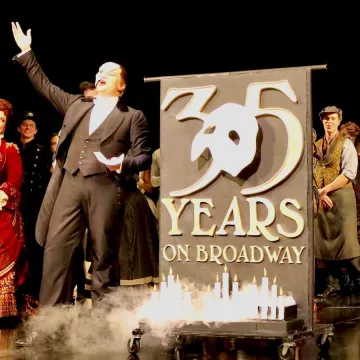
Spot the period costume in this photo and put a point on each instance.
(82, 192)
(36, 175)
(352, 132)
(335, 228)
(155, 178)
(12, 268)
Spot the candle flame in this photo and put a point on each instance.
(163, 277)
(217, 277)
(235, 278)
(170, 271)
(265, 273)
(225, 268)
(186, 288)
(177, 278)
(208, 288)
(274, 280)
(154, 287)
(254, 280)
(281, 292)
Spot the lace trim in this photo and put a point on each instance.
(7, 269)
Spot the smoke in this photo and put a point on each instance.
(105, 328)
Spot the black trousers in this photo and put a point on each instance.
(334, 267)
(30, 206)
(92, 202)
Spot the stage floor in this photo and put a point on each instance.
(343, 313)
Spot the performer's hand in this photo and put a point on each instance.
(3, 199)
(114, 167)
(327, 201)
(140, 184)
(324, 191)
(23, 41)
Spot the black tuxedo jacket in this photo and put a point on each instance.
(126, 128)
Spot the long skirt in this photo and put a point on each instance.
(138, 260)
(14, 302)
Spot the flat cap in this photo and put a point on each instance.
(331, 109)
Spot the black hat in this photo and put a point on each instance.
(28, 115)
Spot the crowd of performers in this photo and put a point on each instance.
(59, 210)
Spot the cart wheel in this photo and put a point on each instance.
(324, 342)
(133, 346)
(286, 352)
(180, 339)
(133, 357)
(178, 353)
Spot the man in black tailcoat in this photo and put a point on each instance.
(83, 192)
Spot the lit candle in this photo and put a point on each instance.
(289, 300)
(235, 288)
(273, 300)
(264, 294)
(187, 301)
(254, 300)
(177, 294)
(280, 302)
(163, 288)
(170, 279)
(265, 285)
(217, 289)
(154, 295)
(207, 299)
(225, 284)
(177, 287)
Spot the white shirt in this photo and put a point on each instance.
(102, 108)
(349, 160)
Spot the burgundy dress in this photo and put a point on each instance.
(12, 268)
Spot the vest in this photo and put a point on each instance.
(328, 169)
(81, 151)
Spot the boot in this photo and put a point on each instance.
(355, 274)
(27, 340)
(333, 288)
(347, 283)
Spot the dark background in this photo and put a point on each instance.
(71, 44)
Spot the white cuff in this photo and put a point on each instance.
(23, 53)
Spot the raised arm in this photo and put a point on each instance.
(60, 99)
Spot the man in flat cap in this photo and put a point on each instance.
(335, 227)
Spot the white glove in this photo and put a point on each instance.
(3, 199)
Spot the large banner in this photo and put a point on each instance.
(236, 181)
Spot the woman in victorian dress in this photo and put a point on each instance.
(12, 243)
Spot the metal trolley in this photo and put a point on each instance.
(289, 334)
